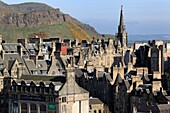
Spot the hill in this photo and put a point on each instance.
(19, 20)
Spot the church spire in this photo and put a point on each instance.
(121, 36)
(121, 24)
(121, 16)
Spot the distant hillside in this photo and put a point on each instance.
(19, 20)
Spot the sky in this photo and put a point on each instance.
(142, 17)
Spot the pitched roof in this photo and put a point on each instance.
(12, 46)
(30, 64)
(95, 101)
(10, 64)
(42, 65)
(108, 77)
(118, 79)
(12, 56)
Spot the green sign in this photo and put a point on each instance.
(51, 107)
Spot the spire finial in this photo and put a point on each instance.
(121, 7)
(121, 24)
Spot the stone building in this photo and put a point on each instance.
(96, 106)
(55, 94)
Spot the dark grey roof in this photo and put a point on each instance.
(146, 77)
(42, 65)
(12, 46)
(1, 60)
(95, 101)
(10, 64)
(165, 107)
(86, 49)
(100, 74)
(1, 74)
(118, 79)
(133, 54)
(127, 84)
(168, 97)
(30, 64)
(108, 77)
(78, 72)
(12, 56)
(56, 78)
(31, 46)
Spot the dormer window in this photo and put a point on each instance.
(1, 65)
(39, 65)
(34, 72)
(53, 73)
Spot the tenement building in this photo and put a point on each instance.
(54, 94)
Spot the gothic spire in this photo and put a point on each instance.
(121, 24)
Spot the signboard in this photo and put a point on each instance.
(32, 98)
(51, 106)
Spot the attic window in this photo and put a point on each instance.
(53, 73)
(39, 65)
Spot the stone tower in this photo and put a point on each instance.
(121, 36)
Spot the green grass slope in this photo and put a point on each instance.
(56, 30)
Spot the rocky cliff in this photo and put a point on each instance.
(31, 15)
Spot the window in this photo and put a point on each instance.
(95, 111)
(33, 108)
(63, 99)
(42, 108)
(43, 72)
(63, 108)
(1, 66)
(53, 73)
(39, 65)
(51, 99)
(32, 89)
(100, 111)
(34, 72)
(23, 108)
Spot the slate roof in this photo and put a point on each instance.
(30, 64)
(168, 97)
(101, 74)
(31, 46)
(108, 77)
(12, 56)
(78, 72)
(12, 46)
(95, 101)
(146, 77)
(42, 65)
(164, 107)
(57, 78)
(118, 79)
(127, 84)
(37, 83)
(10, 64)
(1, 74)
(1, 60)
